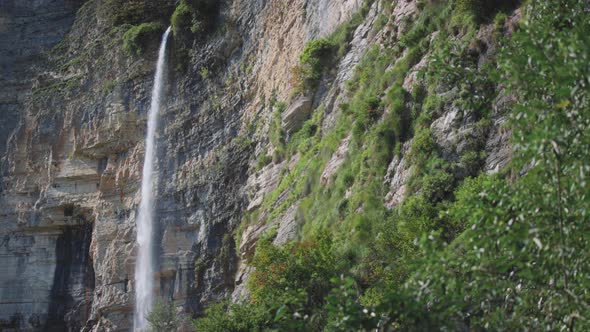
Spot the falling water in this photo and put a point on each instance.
(144, 267)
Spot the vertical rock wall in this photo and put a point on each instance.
(72, 127)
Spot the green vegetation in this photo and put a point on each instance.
(182, 18)
(464, 250)
(484, 9)
(204, 73)
(316, 56)
(323, 53)
(125, 12)
(108, 86)
(163, 317)
(192, 17)
(136, 39)
(55, 88)
(262, 161)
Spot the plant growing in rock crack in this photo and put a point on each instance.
(316, 56)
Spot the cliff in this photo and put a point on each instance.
(255, 143)
(73, 119)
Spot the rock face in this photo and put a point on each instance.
(299, 111)
(72, 127)
(27, 28)
(47, 277)
(73, 108)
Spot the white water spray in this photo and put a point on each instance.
(144, 266)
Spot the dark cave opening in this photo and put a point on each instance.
(73, 280)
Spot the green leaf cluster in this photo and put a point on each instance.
(137, 38)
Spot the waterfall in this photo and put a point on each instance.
(144, 266)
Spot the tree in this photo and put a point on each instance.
(163, 317)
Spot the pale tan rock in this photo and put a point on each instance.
(396, 178)
(338, 157)
(297, 113)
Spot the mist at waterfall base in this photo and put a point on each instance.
(144, 266)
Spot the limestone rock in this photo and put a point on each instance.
(288, 225)
(497, 145)
(398, 173)
(297, 113)
(338, 157)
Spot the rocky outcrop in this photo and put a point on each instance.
(396, 178)
(299, 111)
(335, 161)
(47, 277)
(27, 28)
(498, 151)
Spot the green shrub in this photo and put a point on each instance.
(471, 162)
(137, 38)
(499, 21)
(316, 56)
(163, 317)
(288, 286)
(223, 317)
(293, 266)
(373, 108)
(437, 185)
(344, 310)
(262, 161)
(192, 17)
(316, 52)
(125, 11)
(278, 155)
(182, 18)
(419, 211)
(204, 72)
(309, 129)
(348, 180)
(484, 9)
(422, 147)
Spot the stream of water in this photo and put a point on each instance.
(144, 266)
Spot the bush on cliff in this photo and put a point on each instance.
(137, 38)
(192, 17)
(316, 56)
(125, 12)
(484, 9)
(163, 317)
(182, 18)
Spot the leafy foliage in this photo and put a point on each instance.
(316, 56)
(222, 317)
(163, 317)
(522, 263)
(484, 9)
(181, 18)
(192, 17)
(136, 39)
(323, 53)
(126, 12)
